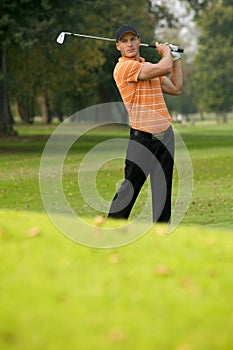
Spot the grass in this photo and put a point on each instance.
(210, 148)
(211, 152)
(165, 292)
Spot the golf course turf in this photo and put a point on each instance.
(163, 291)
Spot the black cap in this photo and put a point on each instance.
(126, 28)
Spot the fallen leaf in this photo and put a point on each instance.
(162, 270)
(114, 258)
(184, 347)
(190, 287)
(160, 231)
(34, 231)
(99, 220)
(116, 335)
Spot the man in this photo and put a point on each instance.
(151, 145)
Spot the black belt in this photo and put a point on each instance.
(156, 136)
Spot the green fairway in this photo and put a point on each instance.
(168, 292)
(209, 146)
(164, 291)
(211, 151)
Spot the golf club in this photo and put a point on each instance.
(61, 38)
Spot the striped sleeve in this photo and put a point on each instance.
(127, 71)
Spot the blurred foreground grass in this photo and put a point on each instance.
(165, 292)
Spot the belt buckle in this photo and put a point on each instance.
(158, 136)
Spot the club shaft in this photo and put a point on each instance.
(91, 36)
(173, 47)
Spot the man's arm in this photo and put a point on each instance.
(163, 67)
(173, 85)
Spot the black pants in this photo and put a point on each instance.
(146, 156)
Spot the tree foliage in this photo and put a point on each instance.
(198, 6)
(68, 77)
(213, 78)
(21, 24)
(40, 76)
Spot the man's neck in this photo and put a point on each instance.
(137, 58)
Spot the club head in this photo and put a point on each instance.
(61, 38)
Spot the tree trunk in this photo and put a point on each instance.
(221, 116)
(224, 117)
(60, 115)
(26, 111)
(202, 117)
(45, 109)
(100, 117)
(6, 118)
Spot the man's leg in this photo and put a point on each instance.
(136, 171)
(161, 178)
(127, 194)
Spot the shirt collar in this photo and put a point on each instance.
(141, 59)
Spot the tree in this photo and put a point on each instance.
(198, 6)
(20, 25)
(213, 76)
(65, 78)
(83, 67)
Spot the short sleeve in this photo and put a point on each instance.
(127, 71)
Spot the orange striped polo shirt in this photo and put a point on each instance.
(143, 99)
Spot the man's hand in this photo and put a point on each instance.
(175, 55)
(163, 49)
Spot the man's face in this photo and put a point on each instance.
(129, 45)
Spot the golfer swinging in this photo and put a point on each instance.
(151, 145)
